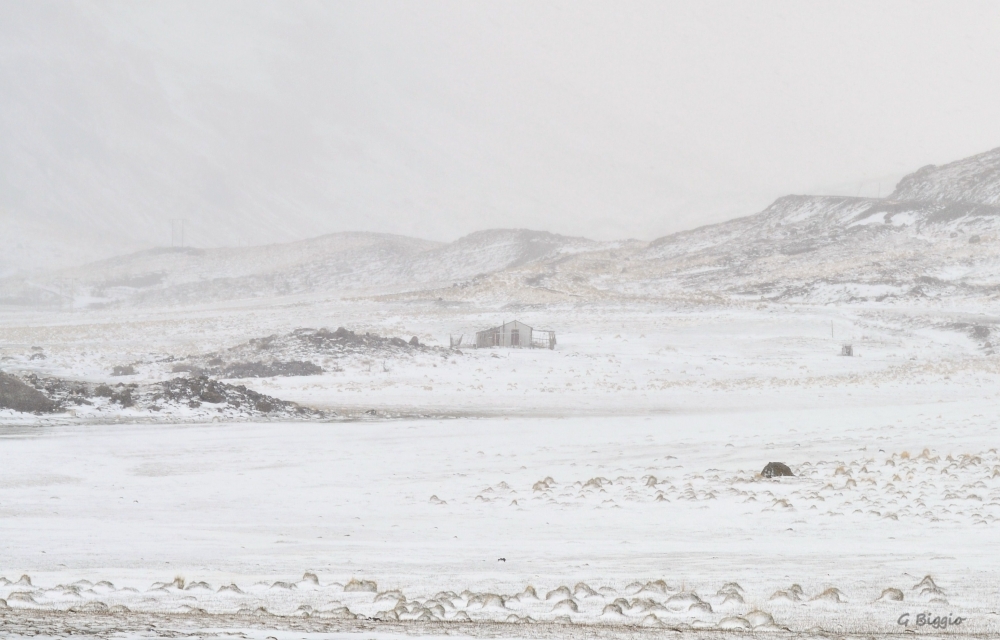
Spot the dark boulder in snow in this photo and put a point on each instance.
(776, 469)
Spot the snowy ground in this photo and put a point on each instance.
(609, 359)
(424, 507)
(621, 466)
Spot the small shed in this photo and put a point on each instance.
(516, 335)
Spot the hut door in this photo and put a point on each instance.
(515, 338)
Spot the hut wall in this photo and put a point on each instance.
(509, 334)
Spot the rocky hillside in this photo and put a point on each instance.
(826, 249)
(196, 398)
(975, 180)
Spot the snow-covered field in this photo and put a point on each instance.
(884, 496)
(610, 359)
(608, 487)
(634, 516)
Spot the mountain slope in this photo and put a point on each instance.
(975, 179)
(818, 249)
(355, 263)
(937, 236)
(493, 250)
(833, 249)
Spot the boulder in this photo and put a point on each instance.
(776, 469)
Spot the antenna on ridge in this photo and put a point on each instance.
(177, 232)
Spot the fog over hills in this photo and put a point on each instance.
(262, 123)
(935, 236)
(336, 264)
(298, 120)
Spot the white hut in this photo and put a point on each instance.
(515, 334)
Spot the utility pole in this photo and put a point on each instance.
(177, 232)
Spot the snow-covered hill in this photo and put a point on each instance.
(936, 236)
(335, 264)
(975, 179)
(802, 248)
(190, 275)
(493, 250)
(827, 248)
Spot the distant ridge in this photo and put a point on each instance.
(338, 263)
(936, 236)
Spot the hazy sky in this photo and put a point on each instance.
(260, 122)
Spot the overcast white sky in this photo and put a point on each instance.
(260, 122)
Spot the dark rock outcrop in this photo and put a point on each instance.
(16, 395)
(776, 469)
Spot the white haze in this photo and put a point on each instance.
(295, 426)
(262, 122)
